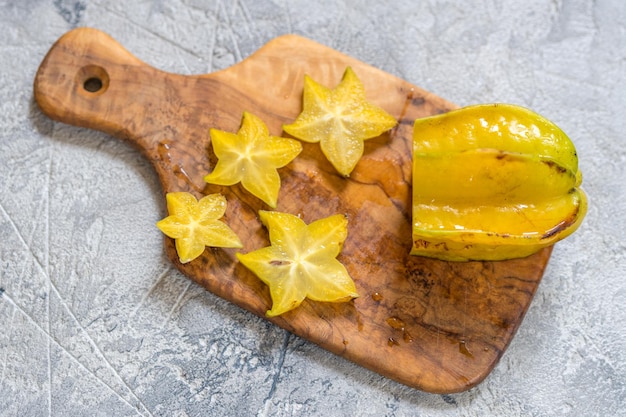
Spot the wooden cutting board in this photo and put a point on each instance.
(436, 326)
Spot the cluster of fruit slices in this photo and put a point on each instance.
(301, 260)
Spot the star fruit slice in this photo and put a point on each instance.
(340, 119)
(301, 261)
(251, 156)
(195, 224)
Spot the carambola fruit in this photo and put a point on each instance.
(492, 182)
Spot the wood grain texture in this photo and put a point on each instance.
(433, 325)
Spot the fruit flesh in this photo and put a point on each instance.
(252, 157)
(340, 119)
(196, 224)
(301, 261)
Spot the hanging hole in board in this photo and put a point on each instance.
(93, 84)
(92, 80)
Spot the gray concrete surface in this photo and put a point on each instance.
(95, 321)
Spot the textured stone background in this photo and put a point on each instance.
(94, 320)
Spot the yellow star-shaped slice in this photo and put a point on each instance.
(195, 224)
(340, 119)
(252, 156)
(301, 261)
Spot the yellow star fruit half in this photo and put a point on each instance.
(251, 156)
(195, 224)
(301, 261)
(340, 119)
(493, 182)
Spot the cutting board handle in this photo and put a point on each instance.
(88, 79)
